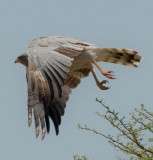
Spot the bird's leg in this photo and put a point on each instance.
(99, 84)
(108, 74)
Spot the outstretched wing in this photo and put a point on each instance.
(49, 85)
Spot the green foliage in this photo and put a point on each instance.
(134, 137)
(76, 157)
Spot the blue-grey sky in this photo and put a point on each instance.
(107, 23)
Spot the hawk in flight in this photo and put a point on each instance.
(55, 65)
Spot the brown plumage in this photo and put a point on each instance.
(55, 66)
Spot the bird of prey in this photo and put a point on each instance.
(55, 65)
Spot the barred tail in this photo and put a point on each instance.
(126, 57)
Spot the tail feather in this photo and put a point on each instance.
(126, 57)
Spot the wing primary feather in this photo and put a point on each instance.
(47, 123)
(29, 115)
(54, 119)
(60, 106)
(43, 126)
(49, 81)
(56, 112)
(54, 81)
(46, 108)
(36, 124)
(58, 65)
(60, 57)
(56, 74)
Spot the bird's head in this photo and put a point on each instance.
(23, 59)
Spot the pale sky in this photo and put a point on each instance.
(106, 23)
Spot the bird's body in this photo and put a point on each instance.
(56, 65)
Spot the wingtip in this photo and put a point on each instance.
(43, 134)
(37, 132)
(57, 132)
(29, 122)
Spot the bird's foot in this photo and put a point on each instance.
(102, 86)
(109, 74)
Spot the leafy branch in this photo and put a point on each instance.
(134, 137)
(76, 157)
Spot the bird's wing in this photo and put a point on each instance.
(74, 79)
(49, 60)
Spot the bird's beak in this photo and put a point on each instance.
(17, 60)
